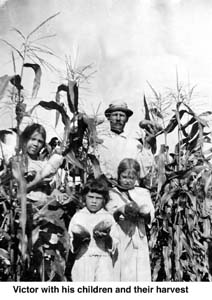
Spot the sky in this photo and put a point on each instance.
(128, 43)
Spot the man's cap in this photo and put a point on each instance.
(118, 106)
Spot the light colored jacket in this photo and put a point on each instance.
(117, 147)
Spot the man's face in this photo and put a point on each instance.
(118, 119)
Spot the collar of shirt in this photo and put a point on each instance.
(113, 134)
(102, 210)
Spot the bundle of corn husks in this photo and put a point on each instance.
(102, 227)
(80, 237)
(80, 232)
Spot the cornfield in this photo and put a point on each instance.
(34, 245)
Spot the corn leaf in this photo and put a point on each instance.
(14, 48)
(19, 32)
(200, 120)
(190, 122)
(95, 165)
(4, 254)
(42, 24)
(157, 268)
(167, 262)
(147, 115)
(157, 96)
(53, 105)
(67, 89)
(206, 114)
(57, 99)
(73, 160)
(4, 81)
(14, 65)
(92, 132)
(72, 96)
(156, 112)
(174, 122)
(36, 82)
(194, 136)
(60, 88)
(17, 170)
(16, 81)
(43, 37)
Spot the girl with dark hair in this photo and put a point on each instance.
(39, 172)
(33, 139)
(41, 195)
(132, 209)
(91, 240)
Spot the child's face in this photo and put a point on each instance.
(34, 144)
(127, 179)
(94, 202)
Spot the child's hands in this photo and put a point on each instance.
(100, 234)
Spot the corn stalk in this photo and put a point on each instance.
(180, 232)
(17, 190)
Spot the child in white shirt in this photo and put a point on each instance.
(89, 230)
(132, 208)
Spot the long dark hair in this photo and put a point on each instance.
(29, 130)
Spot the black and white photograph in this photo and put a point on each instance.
(105, 147)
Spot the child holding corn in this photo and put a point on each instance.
(132, 209)
(91, 240)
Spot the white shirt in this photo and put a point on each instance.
(117, 147)
(89, 220)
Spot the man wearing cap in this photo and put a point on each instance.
(116, 145)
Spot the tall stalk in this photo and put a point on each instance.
(178, 123)
(18, 184)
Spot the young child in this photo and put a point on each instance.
(89, 230)
(132, 209)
